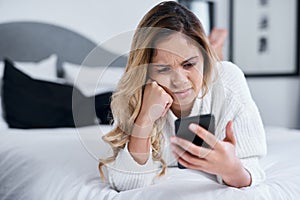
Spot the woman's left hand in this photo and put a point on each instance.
(220, 159)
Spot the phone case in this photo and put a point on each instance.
(181, 129)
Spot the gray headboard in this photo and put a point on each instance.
(34, 41)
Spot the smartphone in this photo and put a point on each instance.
(182, 129)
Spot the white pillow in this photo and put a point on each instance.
(92, 80)
(42, 70)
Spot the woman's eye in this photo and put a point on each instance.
(188, 65)
(163, 69)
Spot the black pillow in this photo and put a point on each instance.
(31, 103)
(102, 106)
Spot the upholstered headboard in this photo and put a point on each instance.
(34, 41)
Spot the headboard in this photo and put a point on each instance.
(34, 41)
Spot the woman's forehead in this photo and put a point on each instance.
(163, 55)
(176, 45)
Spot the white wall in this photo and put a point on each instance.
(277, 98)
(99, 20)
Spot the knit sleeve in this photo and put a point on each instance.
(251, 142)
(247, 125)
(251, 145)
(125, 173)
(253, 167)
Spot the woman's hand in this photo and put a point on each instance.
(220, 159)
(156, 103)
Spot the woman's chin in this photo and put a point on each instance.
(185, 104)
(185, 101)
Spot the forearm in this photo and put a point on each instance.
(139, 149)
(125, 173)
(139, 143)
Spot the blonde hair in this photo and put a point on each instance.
(159, 23)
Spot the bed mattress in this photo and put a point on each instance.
(62, 163)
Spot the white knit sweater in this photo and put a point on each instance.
(228, 99)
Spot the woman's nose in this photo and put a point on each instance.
(178, 78)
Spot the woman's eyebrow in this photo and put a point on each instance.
(159, 65)
(166, 65)
(187, 60)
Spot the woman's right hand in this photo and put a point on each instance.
(155, 104)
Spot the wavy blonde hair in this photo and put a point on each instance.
(158, 24)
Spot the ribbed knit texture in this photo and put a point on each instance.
(229, 98)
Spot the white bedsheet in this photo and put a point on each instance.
(61, 164)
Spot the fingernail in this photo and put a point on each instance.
(193, 127)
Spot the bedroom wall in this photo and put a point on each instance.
(277, 98)
(99, 20)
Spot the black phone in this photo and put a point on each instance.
(182, 130)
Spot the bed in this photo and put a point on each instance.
(61, 162)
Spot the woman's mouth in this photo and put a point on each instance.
(183, 93)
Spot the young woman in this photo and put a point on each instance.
(172, 72)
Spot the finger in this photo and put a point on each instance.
(168, 91)
(180, 153)
(149, 81)
(175, 155)
(185, 163)
(189, 165)
(207, 137)
(230, 134)
(193, 149)
(165, 89)
(181, 161)
(168, 105)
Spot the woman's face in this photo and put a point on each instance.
(177, 65)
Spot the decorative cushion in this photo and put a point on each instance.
(32, 103)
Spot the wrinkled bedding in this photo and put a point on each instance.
(62, 163)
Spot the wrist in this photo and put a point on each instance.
(139, 148)
(239, 178)
(142, 128)
(143, 121)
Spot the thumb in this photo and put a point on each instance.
(149, 81)
(230, 134)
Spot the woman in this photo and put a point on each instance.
(172, 72)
